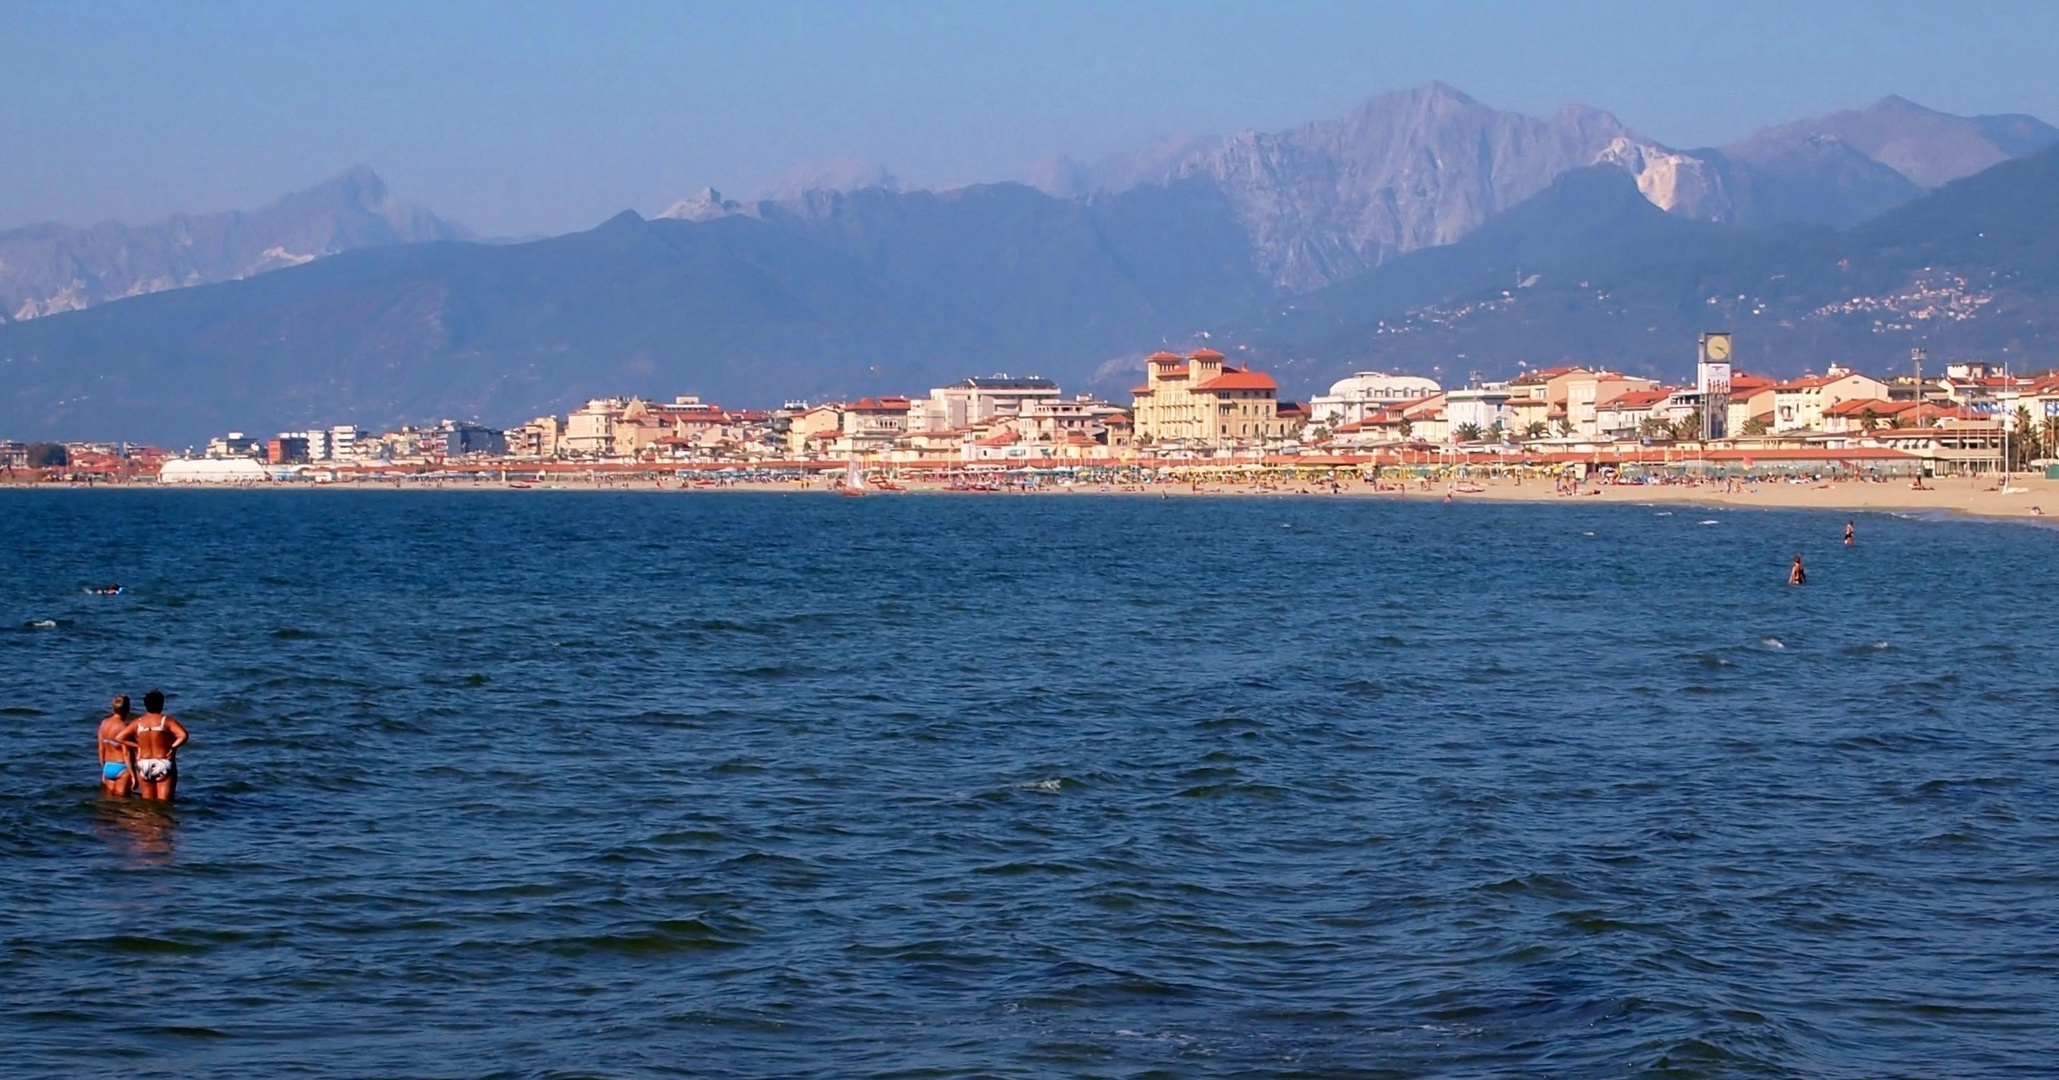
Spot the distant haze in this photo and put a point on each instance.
(524, 121)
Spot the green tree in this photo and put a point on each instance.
(1869, 419)
(2023, 444)
(1406, 428)
(48, 455)
(1566, 426)
(1755, 426)
(2050, 432)
(1651, 427)
(1536, 429)
(1468, 433)
(1687, 428)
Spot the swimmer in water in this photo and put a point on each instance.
(155, 738)
(1797, 575)
(117, 764)
(1850, 535)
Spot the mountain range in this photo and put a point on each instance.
(49, 268)
(1423, 231)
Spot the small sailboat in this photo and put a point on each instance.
(854, 479)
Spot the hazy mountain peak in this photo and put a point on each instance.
(703, 205)
(49, 269)
(1928, 147)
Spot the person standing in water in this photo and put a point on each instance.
(1795, 576)
(117, 763)
(156, 739)
(1851, 536)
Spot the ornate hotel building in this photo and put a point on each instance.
(1201, 400)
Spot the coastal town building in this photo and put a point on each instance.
(1587, 390)
(1798, 405)
(235, 445)
(873, 425)
(1363, 393)
(979, 399)
(814, 428)
(1478, 412)
(1751, 398)
(1200, 400)
(590, 428)
(539, 438)
(1623, 416)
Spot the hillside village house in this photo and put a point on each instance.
(1201, 400)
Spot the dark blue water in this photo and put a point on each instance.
(557, 784)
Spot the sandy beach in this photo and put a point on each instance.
(1977, 496)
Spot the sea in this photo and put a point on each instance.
(572, 784)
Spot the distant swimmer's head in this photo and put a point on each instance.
(154, 701)
(121, 704)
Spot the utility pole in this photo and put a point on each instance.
(1916, 356)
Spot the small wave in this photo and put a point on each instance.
(1053, 783)
(1708, 521)
(1663, 513)
(40, 624)
(1773, 643)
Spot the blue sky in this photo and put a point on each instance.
(521, 118)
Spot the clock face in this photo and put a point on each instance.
(1719, 346)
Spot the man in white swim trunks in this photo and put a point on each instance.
(155, 738)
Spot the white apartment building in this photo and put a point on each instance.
(1485, 407)
(1364, 393)
(977, 400)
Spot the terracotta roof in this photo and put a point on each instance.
(1162, 356)
(1204, 354)
(886, 404)
(1635, 399)
(1233, 379)
(1140, 390)
(1859, 406)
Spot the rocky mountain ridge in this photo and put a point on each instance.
(50, 268)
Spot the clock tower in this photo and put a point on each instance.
(1712, 380)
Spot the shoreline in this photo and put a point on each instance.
(1970, 497)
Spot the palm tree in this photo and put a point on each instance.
(1565, 427)
(1651, 427)
(1686, 428)
(1405, 427)
(1468, 433)
(1755, 426)
(1535, 429)
(1869, 419)
(2050, 430)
